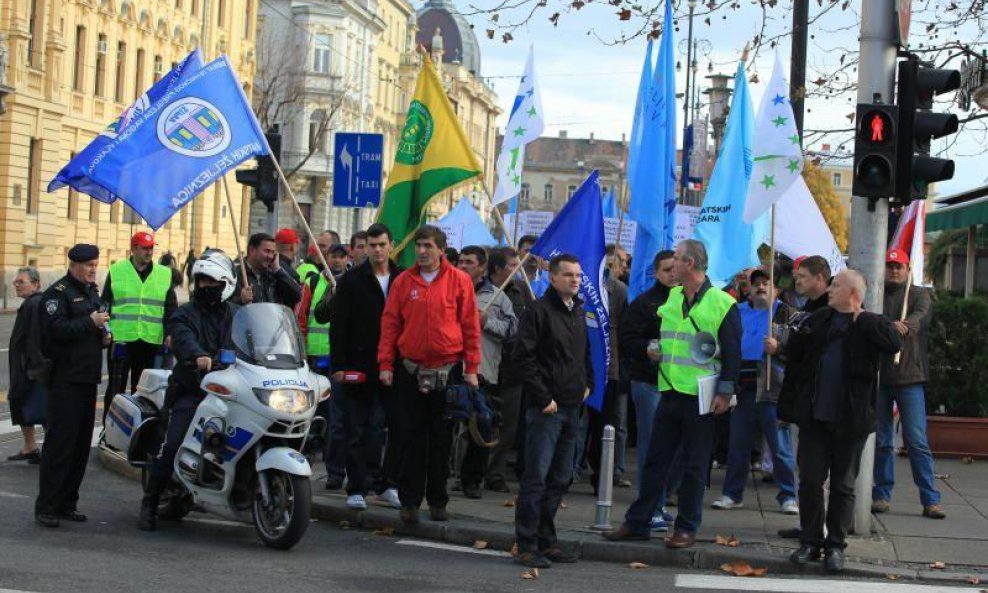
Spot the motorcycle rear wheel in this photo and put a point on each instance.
(282, 524)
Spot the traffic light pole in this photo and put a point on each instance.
(869, 218)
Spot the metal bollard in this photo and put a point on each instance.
(605, 489)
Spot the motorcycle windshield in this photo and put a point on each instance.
(266, 334)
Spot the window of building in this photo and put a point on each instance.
(118, 92)
(159, 68)
(72, 206)
(101, 49)
(322, 54)
(33, 175)
(93, 210)
(195, 7)
(35, 18)
(221, 13)
(178, 3)
(570, 190)
(317, 132)
(547, 192)
(139, 74)
(129, 216)
(115, 212)
(248, 19)
(837, 179)
(525, 194)
(79, 69)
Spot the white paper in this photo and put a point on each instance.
(707, 391)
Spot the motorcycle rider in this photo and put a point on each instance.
(199, 330)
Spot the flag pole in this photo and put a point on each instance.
(905, 306)
(771, 303)
(236, 231)
(500, 288)
(298, 210)
(504, 229)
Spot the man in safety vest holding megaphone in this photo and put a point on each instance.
(694, 308)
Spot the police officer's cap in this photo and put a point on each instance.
(83, 252)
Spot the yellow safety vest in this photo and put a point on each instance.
(678, 371)
(138, 308)
(317, 336)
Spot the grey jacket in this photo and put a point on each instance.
(914, 361)
(499, 325)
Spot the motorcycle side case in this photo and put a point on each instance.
(153, 385)
(133, 428)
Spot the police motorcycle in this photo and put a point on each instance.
(241, 457)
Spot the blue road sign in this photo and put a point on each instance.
(357, 170)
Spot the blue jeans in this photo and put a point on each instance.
(747, 418)
(646, 397)
(677, 424)
(912, 412)
(550, 444)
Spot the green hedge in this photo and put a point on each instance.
(958, 357)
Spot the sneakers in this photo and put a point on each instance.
(790, 507)
(390, 498)
(662, 521)
(356, 502)
(934, 511)
(880, 506)
(726, 503)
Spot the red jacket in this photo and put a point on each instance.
(431, 324)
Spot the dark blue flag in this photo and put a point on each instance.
(578, 229)
(73, 174)
(182, 144)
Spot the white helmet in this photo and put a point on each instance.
(216, 265)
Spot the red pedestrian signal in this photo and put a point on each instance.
(874, 151)
(877, 127)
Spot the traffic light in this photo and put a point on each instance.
(264, 179)
(915, 168)
(874, 150)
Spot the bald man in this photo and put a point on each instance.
(829, 392)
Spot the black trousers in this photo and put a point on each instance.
(427, 437)
(136, 356)
(180, 416)
(364, 437)
(822, 451)
(70, 411)
(509, 399)
(475, 460)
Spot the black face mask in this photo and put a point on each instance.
(208, 295)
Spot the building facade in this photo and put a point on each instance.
(70, 68)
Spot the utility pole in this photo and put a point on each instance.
(797, 68)
(869, 219)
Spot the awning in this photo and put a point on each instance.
(958, 216)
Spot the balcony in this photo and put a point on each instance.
(317, 164)
(323, 84)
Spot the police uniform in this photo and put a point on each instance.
(74, 344)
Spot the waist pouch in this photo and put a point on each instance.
(428, 379)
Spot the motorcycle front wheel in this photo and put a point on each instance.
(282, 524)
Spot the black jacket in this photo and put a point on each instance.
(639, 327)
(520, 298)
(553, 352)
(355, 319)
(869, 337)
(914, 363)
(281, 287)
(27, 363)
(198, 330)
(70, 338)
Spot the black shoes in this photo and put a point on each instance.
(533, 560)
(438, 514)
(471, 491)
(334, 483)
(149, 509)
(74, 516)
(833, 561)
(409, 515)
(805, 554)
(32, 457)
(499, 486)
(558, 556)
(47, 520)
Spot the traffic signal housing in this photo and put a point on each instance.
(918, 84)
(876, 133)
(264, 179)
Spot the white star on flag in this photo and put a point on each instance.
(524, 125)
(778, 160)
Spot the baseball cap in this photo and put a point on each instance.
(286, 237)
(142, 239)
(797, 261)
(898, 256)
(762, 272)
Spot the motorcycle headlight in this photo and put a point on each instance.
(288, 401)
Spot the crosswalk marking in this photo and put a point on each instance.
(451, 548)
(803, 585)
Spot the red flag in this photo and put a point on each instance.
(908, 237)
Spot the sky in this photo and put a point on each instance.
(589, 86)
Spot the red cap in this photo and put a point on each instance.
(312, 250)
(142, 239)
(898, 256)
(797, 261)
(286, 237)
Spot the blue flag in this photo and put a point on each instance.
(610, 206)
(578, 229)
(653, 184)
(182, 144)
(634, 146)
(73, 174)
(732, 245)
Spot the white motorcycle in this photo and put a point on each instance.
(241, 457)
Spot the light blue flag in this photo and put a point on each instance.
(634, 146)
(732, 245)
(578, 229)
(180, 145)
(609, 205)
(653, 192)
(73, 173)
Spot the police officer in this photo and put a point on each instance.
(75, 332)
(140, 296)
(199, 330)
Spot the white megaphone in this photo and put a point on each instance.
(704, 348)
